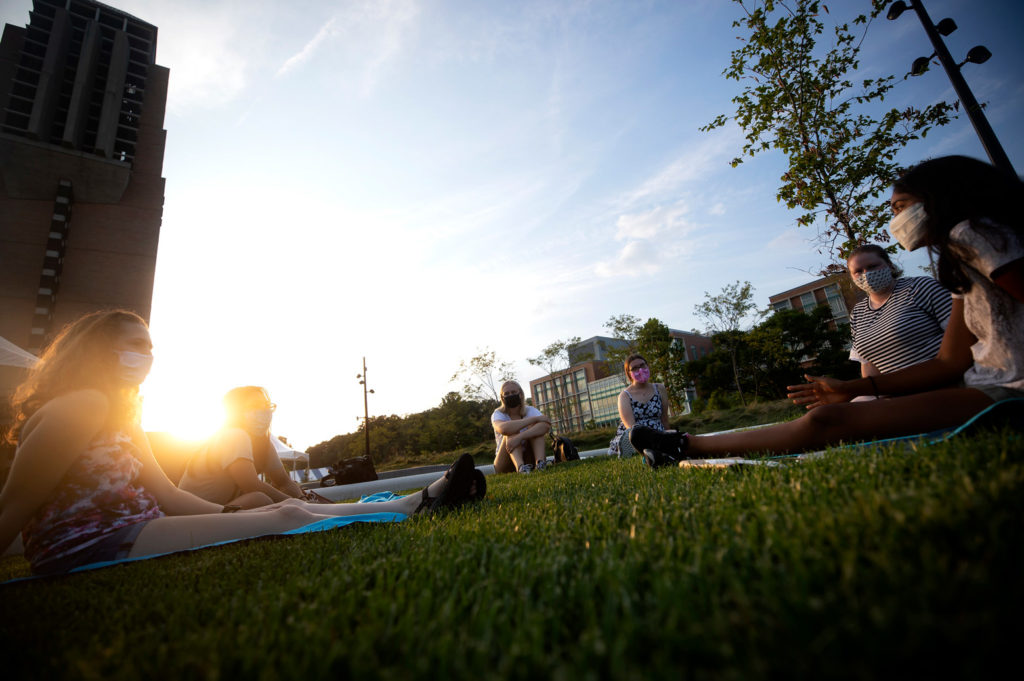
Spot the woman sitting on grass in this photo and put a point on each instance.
(642, 403)
(901, 321)
(227, 469)
(84, 486)
(968, 214)
(519, 431)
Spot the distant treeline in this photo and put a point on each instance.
(456, 423)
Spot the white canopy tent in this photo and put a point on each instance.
(13, 356)
(289, 455)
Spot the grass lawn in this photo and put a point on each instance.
(862, 564)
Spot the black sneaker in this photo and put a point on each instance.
(659, 448)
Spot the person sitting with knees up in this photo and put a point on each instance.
(519, 432)
(85, 487)
(227, 469)
(901, 321)
(642, 403)
(967, 214)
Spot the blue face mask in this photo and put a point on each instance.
(133, 367)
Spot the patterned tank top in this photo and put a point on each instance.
(644, 414)
(97, 495)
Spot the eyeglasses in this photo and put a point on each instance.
(510, 394)
(263, 407)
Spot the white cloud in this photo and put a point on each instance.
(366, 37)
(649, 224)
(717, 209)
(636, 258)
(307, 51)
(690, 168)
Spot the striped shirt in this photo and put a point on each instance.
(906, 330)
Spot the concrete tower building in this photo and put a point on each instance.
(81, 154)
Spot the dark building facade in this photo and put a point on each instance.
(81, 155)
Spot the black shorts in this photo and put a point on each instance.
(115, 546)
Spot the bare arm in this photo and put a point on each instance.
(172, 500)
(869, 369)
(513, 427)
(50, 443)
(279, 477)
(234, 446)
(626, 410)
(953, 359)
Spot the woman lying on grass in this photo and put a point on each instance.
(969, 214)
(84, 486)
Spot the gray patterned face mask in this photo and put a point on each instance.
(875, 281)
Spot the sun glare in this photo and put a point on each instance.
(181, 410)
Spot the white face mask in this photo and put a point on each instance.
(908, 227)
(134, 366)
(875, 281)
(258, 420)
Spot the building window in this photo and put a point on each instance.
(807, 302)
(783, 305)
(836, 302)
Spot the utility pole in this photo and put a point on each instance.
(366, 407)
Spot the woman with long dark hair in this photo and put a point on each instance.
(968, 215)
(85, 487)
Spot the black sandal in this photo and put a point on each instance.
(659, 448)
(459, 478)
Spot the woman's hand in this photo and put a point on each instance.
(820, 391)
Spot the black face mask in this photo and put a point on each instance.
(512, 401)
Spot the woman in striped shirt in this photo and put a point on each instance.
(901, 321)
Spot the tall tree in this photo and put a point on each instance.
(654, 342)
(483, 375)
(801, 98)
(727, 312)
(626, 327)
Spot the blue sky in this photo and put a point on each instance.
(415, 181)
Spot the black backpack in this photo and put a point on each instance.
(565, 450)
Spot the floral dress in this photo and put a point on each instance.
(98, 495)
(644, 414)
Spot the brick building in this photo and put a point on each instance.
(81, 156)
(836, 291)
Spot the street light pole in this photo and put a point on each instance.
(987, 136)
(366, 407)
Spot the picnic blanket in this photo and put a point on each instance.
(1003, 413)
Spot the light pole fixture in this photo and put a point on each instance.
(366, 407)
(976, 55)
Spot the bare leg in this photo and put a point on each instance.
(849, 422)
(536, 449)
(251, 500)
(175, 533)
(509, 460)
